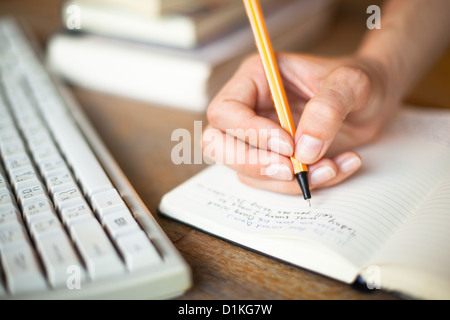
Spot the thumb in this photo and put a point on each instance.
(345, 90)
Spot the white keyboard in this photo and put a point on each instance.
(71, 226)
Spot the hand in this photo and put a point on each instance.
(338, 104)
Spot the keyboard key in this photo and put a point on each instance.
(77, 213)
(138, 251)
(12, 148)
(21, 269)
(45, 227)
(106, 202)
(23, 176)
(96, 250)
(21, 106)
(119, 223)
(6, 198)
(57, 255)
(6, 121)
(68, 196)
(44, 151)
(16, 161)
(30, 126)
(59, 180)
(51, 164)
(3, 181)
(38, 140)
(39, 208)
(34, 132)
(8, 134)
(30, 193)
(11, 236)
(9, 215)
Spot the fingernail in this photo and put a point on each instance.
(308, 148)
(350, 165)
(280, 146)
(278, 172)
(321, 175)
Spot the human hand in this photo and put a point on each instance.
(338, 104)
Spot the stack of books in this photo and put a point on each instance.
(175, 53)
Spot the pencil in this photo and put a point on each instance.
(267, 55)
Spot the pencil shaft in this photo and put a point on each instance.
(272, 72)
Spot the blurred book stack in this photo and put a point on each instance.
(175, 53)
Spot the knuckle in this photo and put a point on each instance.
(330, 109)
(337, 104)
(359, 83)
(354, 74)
(246, 119)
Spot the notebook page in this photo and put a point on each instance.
(354, 219)
(421, 247)
(423, 240)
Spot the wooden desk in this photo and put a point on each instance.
(138, 135)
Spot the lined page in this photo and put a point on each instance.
(354, 219)
(423, 241)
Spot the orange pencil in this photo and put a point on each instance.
(267, 55)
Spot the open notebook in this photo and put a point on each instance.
(389, 224)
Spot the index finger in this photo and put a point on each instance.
(234, 110)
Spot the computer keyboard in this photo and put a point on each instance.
(71, 225)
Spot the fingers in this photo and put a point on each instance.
(233, 111)
(329, 172)
(222, 148)
(346, 90)
(259, 150)
(325, 173)
(272, 171)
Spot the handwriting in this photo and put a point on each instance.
(260, 216)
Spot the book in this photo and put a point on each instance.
(187, 27)
(150, 8)
(387, 225)
(184, 79)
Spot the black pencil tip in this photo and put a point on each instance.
(302, 178)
